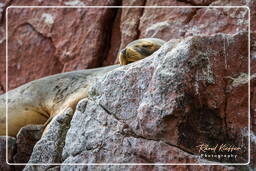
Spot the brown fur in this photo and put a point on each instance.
(139, 49)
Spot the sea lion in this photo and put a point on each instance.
(139, 49)
(38, 101)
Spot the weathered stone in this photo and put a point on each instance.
(183, 23)
(97, 45)
(167, 23)
(11, 150)
(102, 138)
(49, 148)
(2, 60)
(253, 151)
(181, 92)
(198, 2)
(207, 21)
(253, 96)
(146, 168)
(48, 34)
(159, 109)
(3, 6)
(253, 104)
(146, 111)
(26, 139)
(252, 5)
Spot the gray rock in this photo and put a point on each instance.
(158, 110)
(164, 105)
(26, 139)
(49, 148)
(11, 151)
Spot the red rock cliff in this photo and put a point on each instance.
(48, 41)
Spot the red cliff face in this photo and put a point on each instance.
(43, 42)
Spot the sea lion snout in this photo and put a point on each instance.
(123, 51)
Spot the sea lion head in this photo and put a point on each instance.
(139, 49)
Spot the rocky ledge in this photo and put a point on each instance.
(190, 92)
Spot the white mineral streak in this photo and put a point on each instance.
(155, 28)
(48, 18)
(74, 3)
(2, 35)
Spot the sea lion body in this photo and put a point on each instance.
(40, 100)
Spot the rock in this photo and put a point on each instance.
(102, 138)
(11, 150)
(64, 51)
(253, 150)
(87, 43)
(147, 167)
(49, 148)
(26, 139)
(198, 2)
(253, 103)
(158, 110)
(252, 5)
(167, 23)
(29, 40)
(2, 45)
(36, 34)
(177, 96)
(206, 21)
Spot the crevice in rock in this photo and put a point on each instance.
(130, 133)
(191, 2)
(107, 111)
(200, 124)
(63, 133)
(188, 2)
(173, 145)
(115, 40)
(192, 15)
(108, 33)
(4, 11)
(225, 90)
(189, 19)
(2, 89)
(138, 25)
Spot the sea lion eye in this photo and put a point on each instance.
(146, 45)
